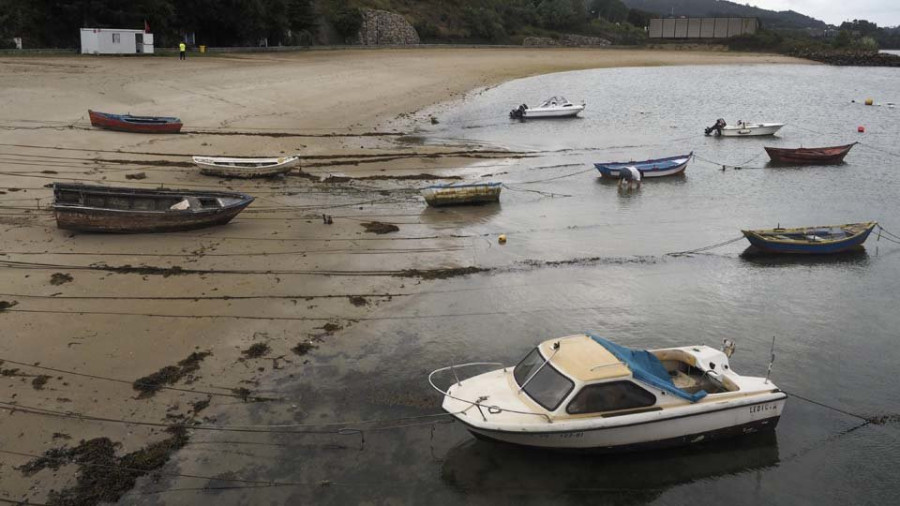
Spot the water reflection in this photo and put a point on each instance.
(491, 471)
(453, 215)
(856, 257)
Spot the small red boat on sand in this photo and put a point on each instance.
(137, 124)
(809, 156)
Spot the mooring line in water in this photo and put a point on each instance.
(876, 420)
(704, 248)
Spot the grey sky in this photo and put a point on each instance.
(883, 12)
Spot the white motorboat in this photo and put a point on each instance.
(553, 107)
(743, 129)
(462, 194)
(245, 167)
(585, 392)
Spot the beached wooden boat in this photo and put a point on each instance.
(91, 208)
(585, 392)
(461, 194)
(245, 167)
(811, 240)
(809, 156)
(137, 124)
(649, 168)
(553, 107)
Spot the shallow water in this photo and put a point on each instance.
(835, 320)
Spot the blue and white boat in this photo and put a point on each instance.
(811, 240)
(649, 168)
(458, 194)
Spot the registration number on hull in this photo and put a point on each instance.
(564, 435)
(763, 408)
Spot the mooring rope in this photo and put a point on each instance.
(704, 248)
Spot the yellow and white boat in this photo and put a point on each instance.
(585, 392)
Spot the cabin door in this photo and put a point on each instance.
(139, 42)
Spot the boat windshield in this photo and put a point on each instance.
(543, 383)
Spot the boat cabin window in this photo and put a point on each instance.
(610, 397)
(547, 386)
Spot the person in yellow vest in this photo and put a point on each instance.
(182, 48)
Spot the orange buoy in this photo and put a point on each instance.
(861, 129)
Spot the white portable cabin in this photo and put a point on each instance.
(115, 41)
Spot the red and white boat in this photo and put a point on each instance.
(136, 124)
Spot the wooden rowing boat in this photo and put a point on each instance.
(810, 156)
(461, 194)
(135, 124)
(92, 208)
(811, 240)
(649, 168)
(245, 167)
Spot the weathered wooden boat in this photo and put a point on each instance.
(743, 129)
(585, 392)
(92, 208)
(461, 194)
(245, 167)
(811, 240)
(810, 156)
(659, 167)
(138, 124)
(553, 107)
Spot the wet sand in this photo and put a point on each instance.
(276, 275)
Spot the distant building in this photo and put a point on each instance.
(115, 41)
(701, 28)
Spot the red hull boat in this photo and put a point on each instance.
(809, 156)
(138, 124)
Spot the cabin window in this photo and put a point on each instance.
(117, 38)
(610, 397)
(548, 387)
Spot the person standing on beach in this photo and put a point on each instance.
(182, 50)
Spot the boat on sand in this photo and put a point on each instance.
(245, 167)
(135, 124)
(458, 194)
(585, 392)
(92, 208)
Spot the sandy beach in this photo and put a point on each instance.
(81, 322)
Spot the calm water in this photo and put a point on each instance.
(835, 320)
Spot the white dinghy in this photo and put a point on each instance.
(245, 167)
(553, 107)
(584, 392)
(743, 129)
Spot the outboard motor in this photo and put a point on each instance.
(720, 123)
(519, 112)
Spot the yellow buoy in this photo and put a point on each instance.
(502, 239)
(869, 101)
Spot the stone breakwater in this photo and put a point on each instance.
(385, 28)
(868, 59)
(567, 40)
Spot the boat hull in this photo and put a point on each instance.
(809, 156)
(808, 248)
(118, 222)
(244, 168)
(120, 123)
(567, 112)
(666, 432)
(661, 167)
(462, 195)
(757, 130)
(131, 210)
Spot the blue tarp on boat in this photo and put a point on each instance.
(647, 368)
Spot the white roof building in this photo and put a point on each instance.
(115, 41)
